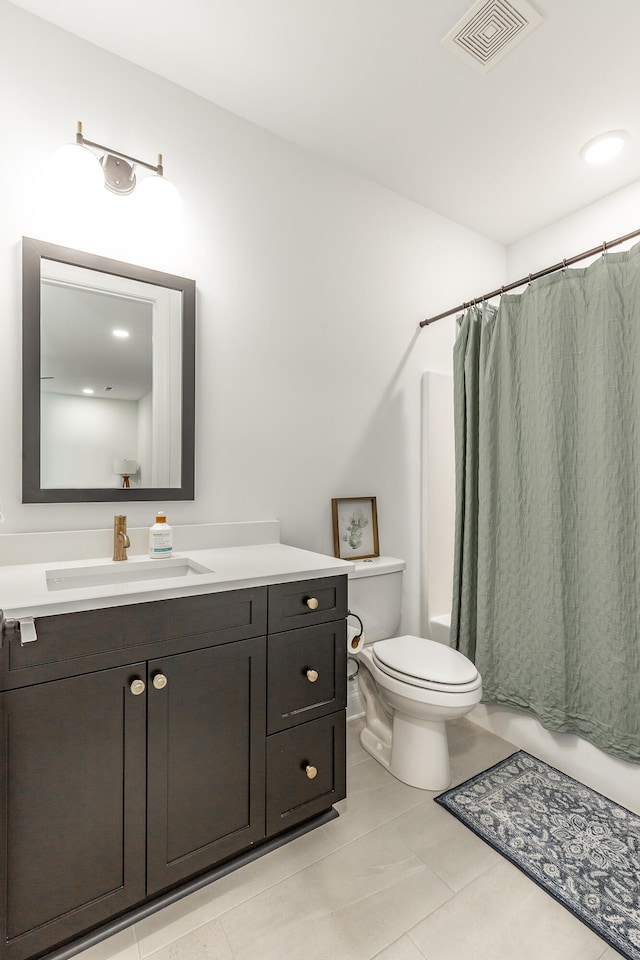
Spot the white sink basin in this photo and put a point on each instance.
(104, 574)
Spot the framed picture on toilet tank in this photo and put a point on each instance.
(355, 528)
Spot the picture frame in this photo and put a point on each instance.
(355, 528)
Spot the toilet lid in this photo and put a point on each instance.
(426, 660)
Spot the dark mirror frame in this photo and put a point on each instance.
(33, 251)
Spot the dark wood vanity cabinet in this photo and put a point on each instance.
(143, 745)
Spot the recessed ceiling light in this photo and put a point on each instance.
(605, 147)
(121, 333)
(87, 390)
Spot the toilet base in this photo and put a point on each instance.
(415, 751)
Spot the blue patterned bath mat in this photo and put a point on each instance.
(580, 847)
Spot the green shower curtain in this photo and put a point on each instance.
(547, 559)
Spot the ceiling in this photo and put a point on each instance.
(78, 349)
(368, 84)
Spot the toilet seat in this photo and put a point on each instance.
(425, 663)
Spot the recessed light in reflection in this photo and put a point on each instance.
(87, 390)
(121, 333)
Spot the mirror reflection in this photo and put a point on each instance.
(114, 379)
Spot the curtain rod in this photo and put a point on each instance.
(604, 246)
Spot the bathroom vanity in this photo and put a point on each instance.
(156, 734)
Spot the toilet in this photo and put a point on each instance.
(410, 685)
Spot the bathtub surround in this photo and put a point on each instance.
(579, 846)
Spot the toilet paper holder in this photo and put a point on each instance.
(353, 643)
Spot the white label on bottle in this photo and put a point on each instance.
(160, 543)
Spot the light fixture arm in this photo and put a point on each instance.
(82, 141)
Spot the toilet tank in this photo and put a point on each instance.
(375, 595)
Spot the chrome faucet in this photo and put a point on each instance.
(120, 538)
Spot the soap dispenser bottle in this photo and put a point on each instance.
(160, 537)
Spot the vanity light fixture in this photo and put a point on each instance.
(604, 147)
(115, 169)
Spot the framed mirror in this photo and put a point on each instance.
(108, 379)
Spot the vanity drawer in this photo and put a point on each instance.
(306, 602)
(306, 771)
(74, 643)
(306, 674)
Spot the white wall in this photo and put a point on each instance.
(84, 435)
(311, 283)
(614, 216)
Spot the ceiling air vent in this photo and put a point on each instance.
(490, 29)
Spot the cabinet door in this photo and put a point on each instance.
(72, 807)
(206, 759)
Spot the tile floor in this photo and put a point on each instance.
(395, 877)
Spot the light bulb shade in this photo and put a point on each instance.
(75, 170)
(158, 197)
(125, 467)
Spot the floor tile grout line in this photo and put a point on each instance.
(408, 934)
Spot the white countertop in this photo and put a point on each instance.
(24, 591)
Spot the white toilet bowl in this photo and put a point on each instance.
(411, 687)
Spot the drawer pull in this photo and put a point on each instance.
(312, 603)
(137, 687)
(311, 771)
(312, 676)
(159, 681)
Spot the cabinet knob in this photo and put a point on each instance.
(137, 687)
(312, 676)
(311, 771)
(159, 681)
(312, 603)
